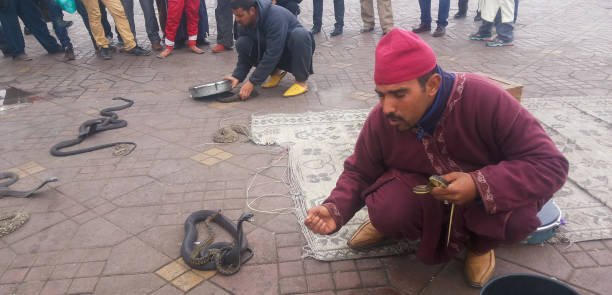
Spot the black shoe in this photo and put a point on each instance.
(315, 29)
(423, 27)
(460, 14)
(202, 42)
(337, 31)
(63, 23)
(106, 53)
(139, 51)
(366, 29)
(26, 31)
(69, 54)
(439, 32)
(478, 17)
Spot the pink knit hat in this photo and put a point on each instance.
(402, 56)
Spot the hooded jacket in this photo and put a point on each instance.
(271, 32)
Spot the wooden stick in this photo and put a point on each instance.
(450, 224)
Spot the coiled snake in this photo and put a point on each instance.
(91, 127)
(225, 257)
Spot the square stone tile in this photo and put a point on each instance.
(602, 257)
(172, 270)
(65, 271)
(343, 265)
(373, 278)
(199, 157)
(312, 266)
(293, 285)
(223, 155)
(91, 112)
(90, 269)
(221, 105)
(347, 280)
(31, 168)
(213, 152)
(205, 274)
(83, 285)
(210, 161)
(290, 269)
(579, 259)
(55, 287)
(187, 281)
(19, 172)
(32, 287)
(15, 275)
(39, 273)
(320, 282)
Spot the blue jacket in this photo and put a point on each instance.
(271, 32)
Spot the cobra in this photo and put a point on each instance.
(5, 191)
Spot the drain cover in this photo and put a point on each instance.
(12, 95)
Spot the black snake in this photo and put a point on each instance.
(91, 127)
(225, 257)
(12, 178)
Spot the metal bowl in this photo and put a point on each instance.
(210, 88)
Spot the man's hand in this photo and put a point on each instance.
(233, 79)
(461, 189)
(246, 90)
(320, 221)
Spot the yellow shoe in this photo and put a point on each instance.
(295, 89)
(478, 268)
(366, 237)
(273, 80)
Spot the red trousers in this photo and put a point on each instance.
(399, 214)
(175, 12)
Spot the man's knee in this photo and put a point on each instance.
(244, 45)
(300, 37)
(521, 224)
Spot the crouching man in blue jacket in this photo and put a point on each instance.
(271, 39)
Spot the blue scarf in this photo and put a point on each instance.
(427, 123)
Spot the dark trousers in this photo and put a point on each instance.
(462, 5)
(296, 58)
(108, 32)
(443, 10)
(292, 6)
(317, 13)
(505, 31)
(56, 15)
(32, 18)
(225, 23)
(4, 43)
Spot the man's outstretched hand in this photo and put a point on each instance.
(461, 189)
(320, 221)
(233, 80)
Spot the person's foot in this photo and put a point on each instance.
(423, 27)
(337, 31)
(106, 53)
(478, 268)
(366, 29)
(478, 17)
(139, 51)
(165, 53)
(366, 237)
(69, 54)
(315, 29)
(202, 42)
(274, 80)
(296, 89)
(22, 56)
(63, 23)
(26, 31)
(196, 49)
(481, 37)
(156, 46)
(499, 43)
(219, 48)
(385, 31)
(439, 32)
(460, 14)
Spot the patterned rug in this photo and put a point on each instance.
(320, 142)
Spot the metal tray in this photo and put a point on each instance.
(210, 88)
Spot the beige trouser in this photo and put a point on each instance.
(123, 26)
(385, 14)
(490, 8)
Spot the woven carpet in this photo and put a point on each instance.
(320, 142)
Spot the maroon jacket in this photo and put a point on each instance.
(483, 131)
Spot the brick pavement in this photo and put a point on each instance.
(113, 225)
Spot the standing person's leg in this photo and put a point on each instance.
(108, 30)
(317, 16)
(12, 30)
(151, 25)
(299, 48)
(225, 26)
(442, 22)
(339, 16)
(95, 24)
(55, 13)
(4, 46)
(385, 14)
(118, 13)
(80, 7)
(425, 25)
(462, 6)
(162, 10)
(192, 9)
(31, 17)
(516, 3)
(367, 15)
(203, 25)
(175, 12)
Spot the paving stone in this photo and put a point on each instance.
(407, 273)
(531, 257)
(289, 253)
(579, 259)
(166, 239)
(65, 271)
(83, 285)
(263, 242)
(8, 288)
(23, 261)
(347, 280)
(134, 219)
(35, 224)
(343, 265)
(450, 278)
(98, 233)
(319, 282)
(381, 291)
(55, 287)
(592, 245)
(90, 269)
(31, 287)
(312, 266)
(289, 239)
(129, 284)
(290, 269)
(13, 275)
(207, 288)
(368, 263)
(251, 279)
(373, 278)
(6, 258)
(134, 256)
(39, 273)
(284, 223)
(292, 285)
(187, 281)
(602, 257)
(172, 270)
(593, 279)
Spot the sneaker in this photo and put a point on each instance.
(499, 43)
(439, 32)
(337, 31)
(480, 37)
(138, 51)
(26, 31)
(156, 46)
(422, 28)
(219, 48)
(69, 54)
(478, 17)
(366, 29)
(22, 56)
(315, 29)
(106, 53)
(460, 14)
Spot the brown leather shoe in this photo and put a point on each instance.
(366, 236)
(478, 268)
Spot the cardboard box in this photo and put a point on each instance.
(513, 88)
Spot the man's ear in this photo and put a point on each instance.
(433, 84)
(252, 10)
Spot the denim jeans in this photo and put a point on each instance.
(55, 12)
(225, 23)
(443, 10)
(4, 43)
(505, 31)
(32, 18)
(317, 13)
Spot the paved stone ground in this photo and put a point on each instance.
(113, 225)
